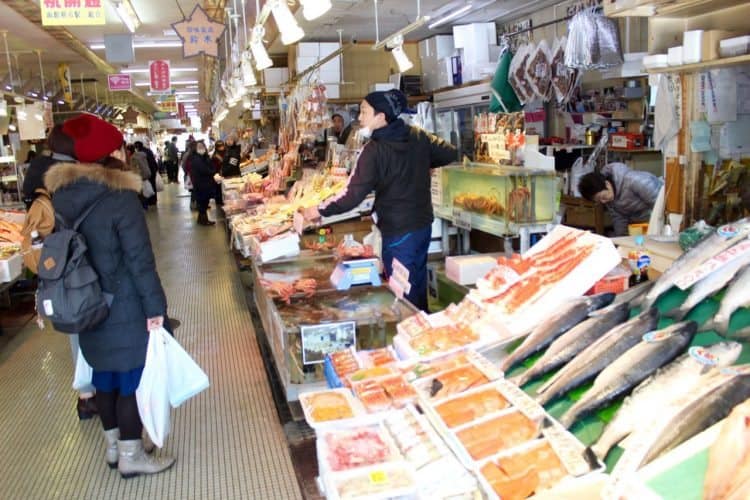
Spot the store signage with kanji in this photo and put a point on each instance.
(159, 74)
(72, 12)
(120, 81)
(199, 33)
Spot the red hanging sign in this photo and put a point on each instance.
(159, 73)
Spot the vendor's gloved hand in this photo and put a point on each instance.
(311, 214)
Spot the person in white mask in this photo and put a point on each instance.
(396, 164)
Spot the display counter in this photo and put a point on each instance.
(302, 331)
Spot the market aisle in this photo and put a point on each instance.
(228, 440)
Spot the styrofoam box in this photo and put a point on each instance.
(333, 91)
(674, 56)
(327, 48)
(656, 61)
(275, 77)
(737, 46)
(305, 62)
(467, 269)
(11, 268)
(436, 47)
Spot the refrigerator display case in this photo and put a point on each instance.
(301, 332)
(499, 200)
(454, 115)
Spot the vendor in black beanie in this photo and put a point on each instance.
(396, 165)
(62, 150)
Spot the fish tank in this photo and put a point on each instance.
(308, 266)
(499, 199)
(303, 331)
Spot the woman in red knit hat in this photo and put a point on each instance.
(119, 249)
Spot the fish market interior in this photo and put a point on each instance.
(426, 249)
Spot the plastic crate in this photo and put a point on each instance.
(616, 281)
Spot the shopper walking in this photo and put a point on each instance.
(120, 251)
(185, 164)
(153, 169)
(395, 164)
(170, 154)
(204, 185)
(139, 165)
(41, 218)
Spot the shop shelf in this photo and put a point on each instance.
(725, 62)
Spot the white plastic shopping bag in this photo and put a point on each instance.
(185, 378)
(83, 372)
(152, 395)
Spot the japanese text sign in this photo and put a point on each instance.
(119, 81)
(72, 12)
(199, 33)
(159, 73)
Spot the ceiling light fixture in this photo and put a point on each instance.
(187, 92)
(173, 82)
(287, 24)
(453, 15)
(188, 100)
(127, 14)
(404, 64)
(146, 70)
(262, 61)
(164, 44)
(313, 9)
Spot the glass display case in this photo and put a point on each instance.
(300, 332)
(497, 199)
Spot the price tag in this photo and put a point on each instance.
(436, 187)
(378, 477)
(462, 219)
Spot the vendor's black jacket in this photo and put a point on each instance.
(119, 249)
(231, 167)
(395, 164)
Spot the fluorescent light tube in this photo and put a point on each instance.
(144, 45)
(146, 70)
(453, 15)
(127, 15)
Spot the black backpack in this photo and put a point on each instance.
(69, 293)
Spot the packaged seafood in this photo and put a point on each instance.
(442, 339)
(399, 390)
(539, 71)
(326, 407)
(450, 382)
(414, 370)
(502, 432)
(346, 449)
(524, 472)
(372, 395)
(440, 475)
(463, 409)
(370, 373)
(413, 325)
(339, 365)
(377, 357)
(377, 482)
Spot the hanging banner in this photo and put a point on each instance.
(120, 81)
(168, 105)
(63, 76)
(159, 74)
(199, 33)
(72, 13)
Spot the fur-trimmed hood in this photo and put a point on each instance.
(61, 175)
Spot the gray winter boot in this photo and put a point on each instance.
(134, 461)
(111, 454)
(148, 445)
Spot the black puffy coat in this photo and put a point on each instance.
(202, 173)
(119, 248)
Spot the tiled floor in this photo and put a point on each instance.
(228, 440)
